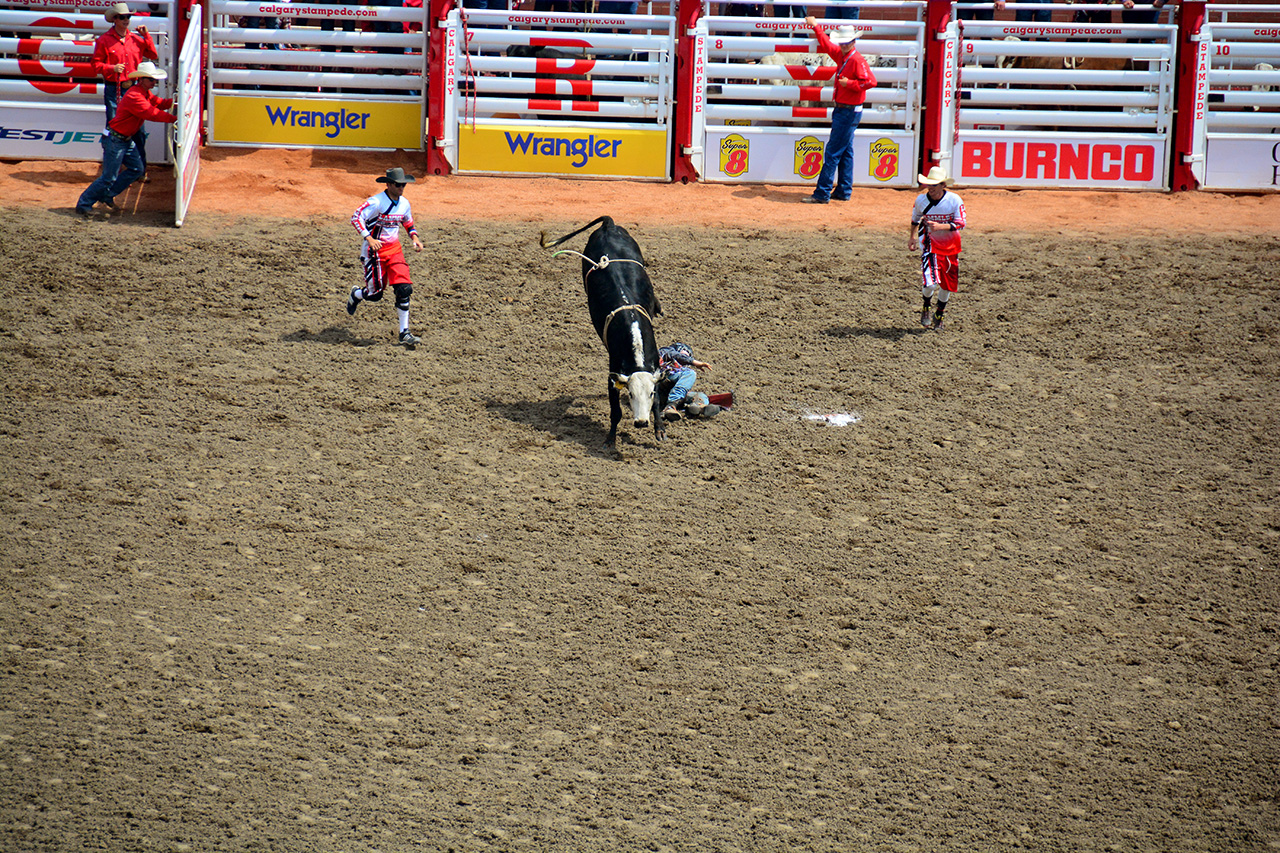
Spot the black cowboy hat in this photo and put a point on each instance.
(396, 176)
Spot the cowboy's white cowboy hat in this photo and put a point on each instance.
(937, 175)
(117, 10)
(844, 35)
(148, 69)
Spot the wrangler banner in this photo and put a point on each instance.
(594, 152)
(314, 123)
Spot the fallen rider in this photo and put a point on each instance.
(694, 405)
(677, 364)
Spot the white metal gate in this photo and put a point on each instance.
(1059, 105)
(1236, 133)
(353, 77)
(559, 94)
(765, 95)
(50, 97)
(186, 138)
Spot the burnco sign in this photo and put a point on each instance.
(1116, 163)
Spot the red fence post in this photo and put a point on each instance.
(1190, 20)
(436, 83)
(934, 86)
(686, 19)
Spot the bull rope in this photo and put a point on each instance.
(604, 261)
(604, 329)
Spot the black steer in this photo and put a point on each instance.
(620, 298)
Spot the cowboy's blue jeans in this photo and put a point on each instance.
(684, 381)
(111, 95)
(837, 158)
(113, 180)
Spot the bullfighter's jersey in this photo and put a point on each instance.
(380, 217)
(949, 209)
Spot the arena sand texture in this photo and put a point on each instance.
(273, 583)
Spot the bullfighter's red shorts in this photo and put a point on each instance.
(385, 267)
(942, 270)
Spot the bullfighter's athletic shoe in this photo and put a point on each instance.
(937, 323)
(353, 300)
(409, 339)
(926, 316)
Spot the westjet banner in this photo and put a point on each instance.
(317, 123)
(596, 152)
(39, 131)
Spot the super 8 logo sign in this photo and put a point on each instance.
(808, 158)
(882, 164)
(734, 155)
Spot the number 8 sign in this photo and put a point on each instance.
(808, 157)
(734, 151)
(882, 164)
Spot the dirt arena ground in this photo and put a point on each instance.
(272, 583)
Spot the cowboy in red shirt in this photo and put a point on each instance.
(117, 52)
(852, 80)
(124, 142)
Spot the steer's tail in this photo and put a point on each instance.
(608, 223)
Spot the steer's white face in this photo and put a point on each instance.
(641, 387)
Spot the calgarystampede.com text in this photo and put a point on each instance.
(1060, 31)
(319, 11)
(565, 19)
(780, 25)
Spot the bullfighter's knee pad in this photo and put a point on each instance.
(403, 292)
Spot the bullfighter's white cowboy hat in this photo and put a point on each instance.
(116, 11)
(937, 175)
(844, 35)
(396, 176)
(148, 69)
